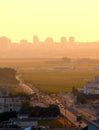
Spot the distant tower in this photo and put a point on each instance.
(71, 40)
(5, 42)
(49, 40)
(35, 39)
(63, 40)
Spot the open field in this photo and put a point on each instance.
(53, 75)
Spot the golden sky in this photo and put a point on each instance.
(49, 18)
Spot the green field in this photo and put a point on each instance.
(47, 74)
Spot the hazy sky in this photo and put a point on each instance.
(54, 18)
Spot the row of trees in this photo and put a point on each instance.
(8, 76)
(7, 115)
(37, 111)
(51, 111)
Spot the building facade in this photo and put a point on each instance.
(8, 104)
(92, 87)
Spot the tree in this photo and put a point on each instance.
(7, 115)
(26, 108)
(66, 59)
(74, 91)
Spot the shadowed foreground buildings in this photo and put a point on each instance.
(8, 103)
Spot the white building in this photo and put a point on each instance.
(92, 87)
(8, 103)
(24, 121)
(29, 122)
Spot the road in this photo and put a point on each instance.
(87, 114)
(26, 87)
(68, 114)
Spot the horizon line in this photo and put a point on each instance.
(67, 39)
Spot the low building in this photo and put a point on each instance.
(80, 89)
(24, 121)
(22, 116)
(27, 122)
(92, 87)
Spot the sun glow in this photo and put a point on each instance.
(54, 18)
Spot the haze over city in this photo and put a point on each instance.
(49, 64)
(48, 48)
(21, 19)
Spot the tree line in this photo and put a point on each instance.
(8, 76)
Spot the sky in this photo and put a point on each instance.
(21, 19)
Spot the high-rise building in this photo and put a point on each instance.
(35, 39)
(71, 39)
(5, 42)
(49, 40)
(63, 40)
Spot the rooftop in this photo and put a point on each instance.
(95, 122)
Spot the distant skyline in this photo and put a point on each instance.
(21, 19)
(48, 48)
(35, 39)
